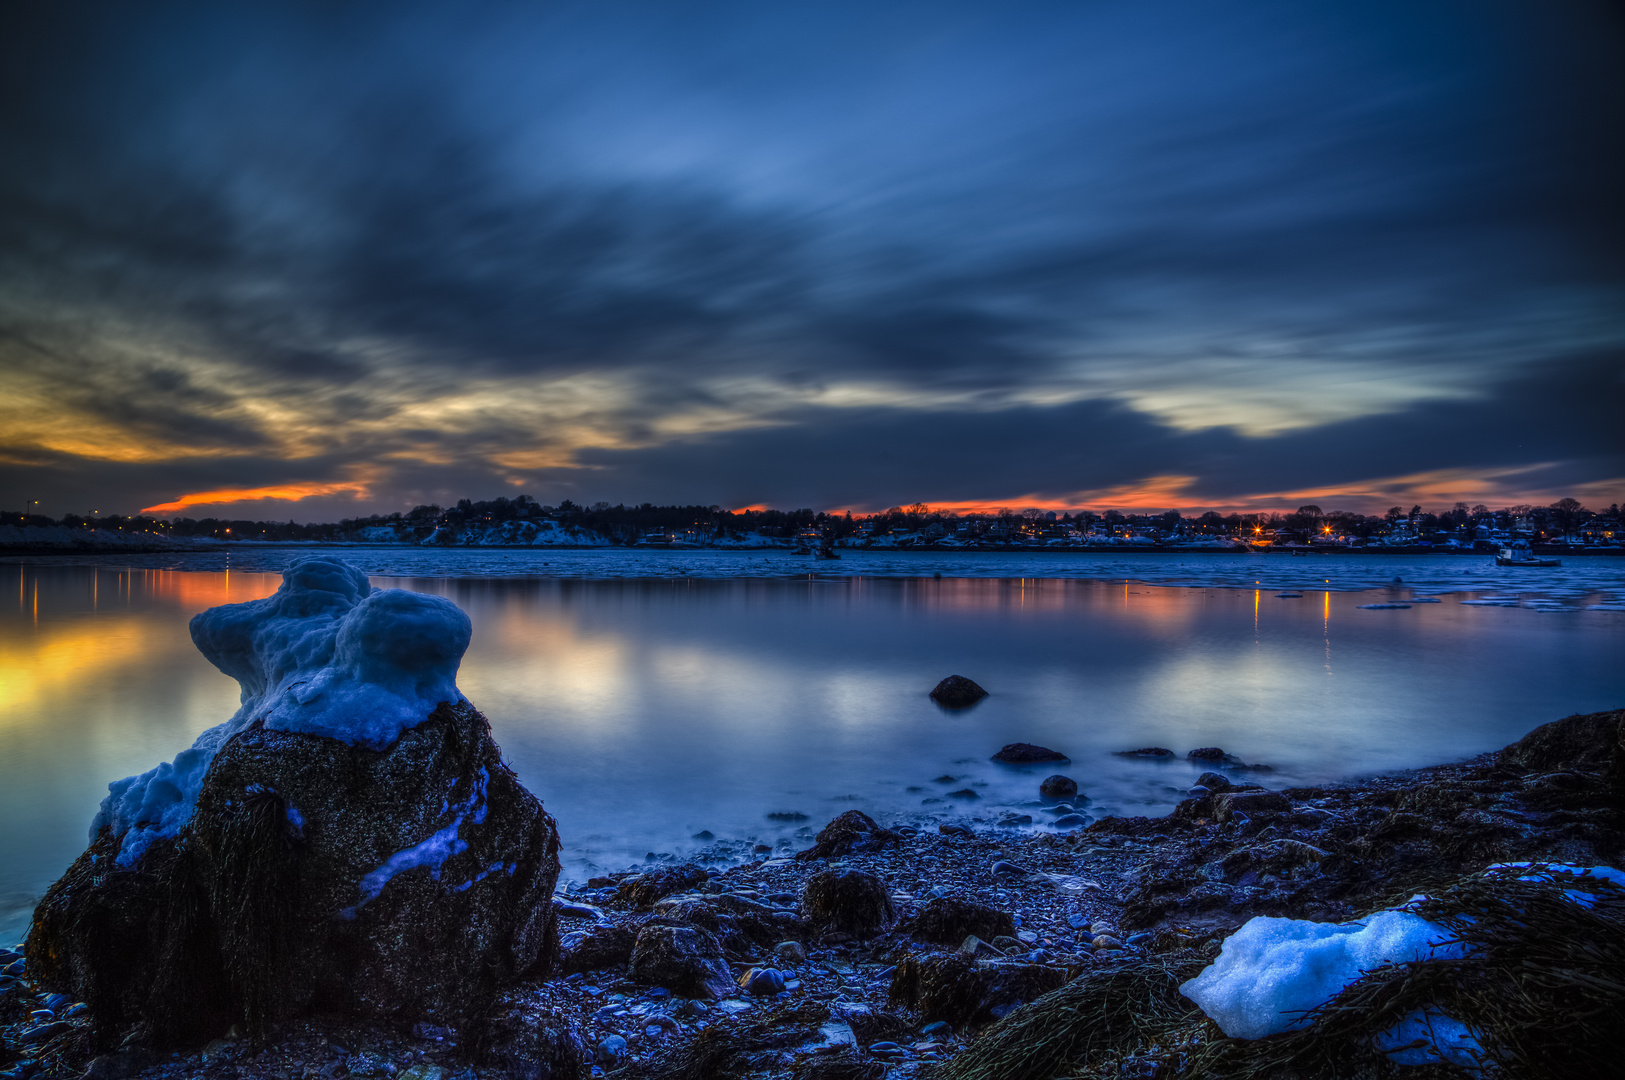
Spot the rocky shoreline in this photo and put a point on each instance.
(890, 953)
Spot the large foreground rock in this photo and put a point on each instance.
(401, 882)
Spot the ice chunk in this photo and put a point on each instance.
(1271, 971)
(326, 654)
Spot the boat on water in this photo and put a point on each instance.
(1519, 553)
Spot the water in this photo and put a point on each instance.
(646, 709)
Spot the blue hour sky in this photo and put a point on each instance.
(313, 260)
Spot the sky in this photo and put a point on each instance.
(311, 261)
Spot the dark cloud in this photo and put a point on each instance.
(364, 214)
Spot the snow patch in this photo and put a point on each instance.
(326, 654)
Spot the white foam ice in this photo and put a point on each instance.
(1272, 971)
(327, 655)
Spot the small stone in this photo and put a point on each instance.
(1007, 945)
(761, 849)
(704, 834)
(1206, 753)
(1213, 782)
(1021, 753)
(43, 1032)
(613, 1048)
(1106, 941)
(1078, 922)
(1139, 939)
(1011, 821)
(963, 793)
(1028, 936)
(424, 1071)
(1058, 787)
(1070, 821)
(957, 692)
(977, 949)
(1100, 926)
(954, 830)
(790, 952)
(762, 982)
(935, 1030)
(886, 1049)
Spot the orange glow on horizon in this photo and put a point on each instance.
(290, 492)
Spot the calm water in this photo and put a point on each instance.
(645, 711)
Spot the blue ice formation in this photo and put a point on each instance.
(326, 654)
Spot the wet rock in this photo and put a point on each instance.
(1214, 782)
(792, 953)
(1583, 741)
(641, 891)
(591, 950)
(963, 793)
(1206, 753)
(854, 831)
(684, 959)
(977, 949)
(1249, 803)
(613, 1048)
(762, 982)
(1058, 787)
(948, 921)
(1145, 752)
(848, 901)
(1070, 821)
(1021, 753)
(957, 692)
(391, 885)
(523, 1039)
(959, 991)
(954, 830)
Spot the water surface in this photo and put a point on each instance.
(645, 711)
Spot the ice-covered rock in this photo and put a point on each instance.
(1272, 971)
(326, 654)
(351, 840)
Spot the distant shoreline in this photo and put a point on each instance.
(1103, 549)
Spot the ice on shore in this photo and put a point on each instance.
(1272, 971)
(326, 654)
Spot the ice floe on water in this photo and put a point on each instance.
(326, 654)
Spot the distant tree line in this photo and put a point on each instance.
(624, 524)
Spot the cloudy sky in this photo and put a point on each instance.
(310, 260)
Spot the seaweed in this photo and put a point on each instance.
(1101, 1012)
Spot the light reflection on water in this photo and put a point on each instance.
(645, 711)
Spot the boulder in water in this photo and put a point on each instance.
(853, 831)
(1022, 753)
(957, 692)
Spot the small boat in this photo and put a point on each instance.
(1519, 553)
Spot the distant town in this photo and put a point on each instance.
(523, 522)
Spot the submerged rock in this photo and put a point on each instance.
(1058, 787)
(1021, 753)
(957, 692)
(402, 882)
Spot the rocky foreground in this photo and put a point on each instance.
(896, 953)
